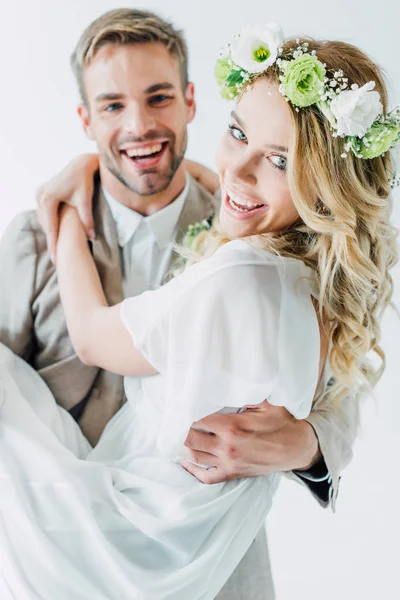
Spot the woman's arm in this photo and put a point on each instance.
(74, 186)
(96, 330)
(203, 175)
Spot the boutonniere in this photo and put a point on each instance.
(194, 230)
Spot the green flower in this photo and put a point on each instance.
(303, 79)
(193, 231)
(380, 137)
(227, 77)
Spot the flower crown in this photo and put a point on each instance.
(354, 113)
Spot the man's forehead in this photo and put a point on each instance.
(138, 66)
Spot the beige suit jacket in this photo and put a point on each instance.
(32, 324)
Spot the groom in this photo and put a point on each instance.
(131, 68)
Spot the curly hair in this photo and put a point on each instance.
(344, 232)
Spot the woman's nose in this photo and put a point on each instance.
(243, 170)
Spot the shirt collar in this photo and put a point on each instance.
(162, 224)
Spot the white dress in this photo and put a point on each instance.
(124, 520)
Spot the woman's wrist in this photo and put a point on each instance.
(72, 234)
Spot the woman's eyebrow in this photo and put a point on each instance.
(278, 148)
(273, 146)
(234, 116)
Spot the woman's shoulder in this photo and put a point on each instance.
(244, 251)
(238, 266)
(235, 255)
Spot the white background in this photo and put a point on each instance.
(352, 554)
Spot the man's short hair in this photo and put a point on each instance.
(128, 26)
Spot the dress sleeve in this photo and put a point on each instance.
(229, 338)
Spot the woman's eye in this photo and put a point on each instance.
(237, 133)
(279, 162)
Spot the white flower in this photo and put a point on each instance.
(355, 110)
(257, 47)
(325, 108)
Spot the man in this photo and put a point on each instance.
(131, 68)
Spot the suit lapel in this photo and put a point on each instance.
(199, 205)
(105, 248)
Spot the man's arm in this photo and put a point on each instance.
(336, 429)
(269, 439)
(18, 260)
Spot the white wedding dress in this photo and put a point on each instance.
(124, 520)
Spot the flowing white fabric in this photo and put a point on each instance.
(124, 520)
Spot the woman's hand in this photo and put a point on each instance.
(74, 186)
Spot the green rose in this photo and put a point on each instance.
(303, 79)
(226, 78)
(379, 138)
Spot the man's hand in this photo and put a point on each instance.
(258, 441)
(73, 186)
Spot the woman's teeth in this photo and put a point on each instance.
(135, 152)
(242, 205)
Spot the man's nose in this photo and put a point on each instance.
(139, 121)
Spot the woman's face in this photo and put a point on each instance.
(252, 163)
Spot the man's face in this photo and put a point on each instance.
(137, 114)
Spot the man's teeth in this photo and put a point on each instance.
(133, 152)
(242, 205)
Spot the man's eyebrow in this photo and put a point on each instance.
(165, 85)
(109, 96)
(273, 146)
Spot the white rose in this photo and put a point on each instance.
(355, 110)
(257, 47)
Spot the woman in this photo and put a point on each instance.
(301, 251)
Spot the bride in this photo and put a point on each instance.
(298, 257)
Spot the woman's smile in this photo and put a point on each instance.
(252, 161)
(241, 207)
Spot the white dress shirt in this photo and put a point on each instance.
(150, 242)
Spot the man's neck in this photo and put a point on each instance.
(144, 205)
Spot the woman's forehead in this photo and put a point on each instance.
(263, 111)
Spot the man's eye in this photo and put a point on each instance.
(159, 99)
(237, 133)
(113, 107)
(278, 162)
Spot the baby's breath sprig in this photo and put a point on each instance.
(193, 231)
(354, 113)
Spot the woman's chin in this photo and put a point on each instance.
(236, 229)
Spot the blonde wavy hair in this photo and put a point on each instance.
(344, 232)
